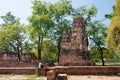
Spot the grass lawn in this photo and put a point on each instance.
(109, 63)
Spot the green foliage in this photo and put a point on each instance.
(97, 33)
(41, 23)
(49, 52)
(113, 35)
(60, 11)
(47, 23)
(12, 34)
(35, 50)
(96, 56)
(9, 18)
(85, 12)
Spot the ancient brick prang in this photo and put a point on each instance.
(74, 47)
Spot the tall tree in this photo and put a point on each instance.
(40, 24)
(61, 11)
(11, 34)
(113, 35)
(97, 33)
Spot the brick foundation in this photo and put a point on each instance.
(17, 70)
(87, 70)
(72, 60)
(76, 70)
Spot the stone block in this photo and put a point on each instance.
(51, 75)
(62, 77)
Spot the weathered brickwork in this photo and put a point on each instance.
(10, 59)
(74, 47)
(70, 70)
(87, 70)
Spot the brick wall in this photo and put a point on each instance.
(72, 60)
(19, 70)
(17, 64)
(9, 59)
(12, 57)
(81, 70)
(88, 70)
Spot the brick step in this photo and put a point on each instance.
(62, 77)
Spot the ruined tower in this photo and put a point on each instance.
(74, 47)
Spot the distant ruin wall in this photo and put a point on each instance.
(12, 57)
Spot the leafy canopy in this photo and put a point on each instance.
(113, 35)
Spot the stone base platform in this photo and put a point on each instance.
(86, 70)
(75, 60)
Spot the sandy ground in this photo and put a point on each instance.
(20, 77)
(14, 77)
(70, 77)
(93, 77)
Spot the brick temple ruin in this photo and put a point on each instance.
(10, 59)
(74, 47)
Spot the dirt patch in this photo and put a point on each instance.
(14, 77)
(93, 77)
(21, 77)
(70, 77)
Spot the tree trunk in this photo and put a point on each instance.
(101, 54)
(19, 57)
(18, 52)
(59, 48)
(100, 50)
(40, 42)
(39, 53)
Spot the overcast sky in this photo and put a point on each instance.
(22, 8)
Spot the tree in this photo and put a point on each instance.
(61, 10)
(113, 35)
(97, 33)
(60, 13)
(40, 24)
(12, 34)
(50, 51)
(111, 15)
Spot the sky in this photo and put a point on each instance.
(22, 8)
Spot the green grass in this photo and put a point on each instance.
(109, 63)
(4, 75)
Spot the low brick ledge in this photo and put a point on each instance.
(87, 70)
(82, 70)
(18, 70)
